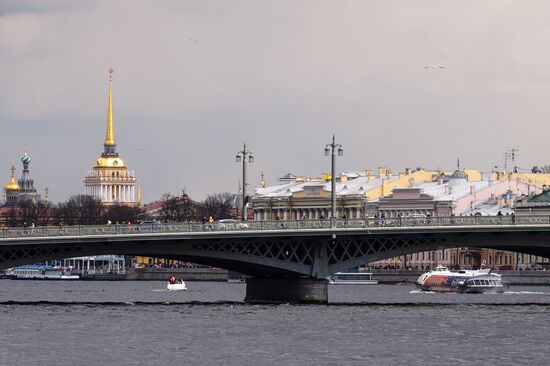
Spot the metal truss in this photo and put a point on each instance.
(35, 253)
(296, 250)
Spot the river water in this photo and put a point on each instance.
(138, 323)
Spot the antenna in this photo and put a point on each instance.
(510, 154)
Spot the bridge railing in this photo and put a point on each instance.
(188, 227)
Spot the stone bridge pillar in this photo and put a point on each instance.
(283, 290)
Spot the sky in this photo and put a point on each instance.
(194, 80)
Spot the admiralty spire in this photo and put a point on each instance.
(110, 181)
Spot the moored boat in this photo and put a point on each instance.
(39, 272)
(352, 278)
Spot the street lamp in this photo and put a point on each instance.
(242, 156)
(333, 149)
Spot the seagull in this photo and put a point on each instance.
(192, 40)
(434, 67)
(140, 149)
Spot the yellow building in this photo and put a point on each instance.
(110, 181)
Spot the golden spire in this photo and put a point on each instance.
(110, 135)
(262, 181)
(139, 193)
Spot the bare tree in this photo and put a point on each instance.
(121, 213)
(11, 216)
(38, 213)
(218, 205)
(79, 210)
(178, 209)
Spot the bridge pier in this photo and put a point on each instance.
(283, 290)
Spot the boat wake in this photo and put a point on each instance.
(421, 292)
(525, 293)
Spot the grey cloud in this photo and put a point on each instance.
(43, 6)
(282, 76)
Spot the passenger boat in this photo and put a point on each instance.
(352, 278)
(38, 272)
(175, 285)
(490, 283)
(442, 279)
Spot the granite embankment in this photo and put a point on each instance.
(525, 278)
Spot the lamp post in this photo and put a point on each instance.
(330, 149)
(242, 156)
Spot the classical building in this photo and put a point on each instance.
(416, 193)
(110, 181)
(310, 198)
(453, 195)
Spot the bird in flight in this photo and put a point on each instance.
(434, 67)
(192, 40)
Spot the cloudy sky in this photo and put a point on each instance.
(195, 79)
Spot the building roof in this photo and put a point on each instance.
(358, 185)
(488, 209)
(541, 197)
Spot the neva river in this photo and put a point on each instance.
(138, 323)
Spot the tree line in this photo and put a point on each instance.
(87, 210)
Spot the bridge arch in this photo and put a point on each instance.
(293, 253)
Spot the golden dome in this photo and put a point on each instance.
(109, 162)
(12, 186)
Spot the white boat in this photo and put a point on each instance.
(352, 278)
(38, 272)
(441, 279)
(176, 285)
(490, 283)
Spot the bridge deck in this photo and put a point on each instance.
(468, 223)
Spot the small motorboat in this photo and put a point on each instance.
(175, 285)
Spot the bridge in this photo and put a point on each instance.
(288, 260)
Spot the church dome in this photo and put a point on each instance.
(26, 159)
(12, 186)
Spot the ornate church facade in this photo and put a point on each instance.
(23, 189)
